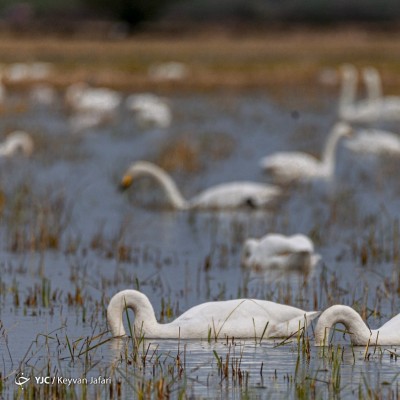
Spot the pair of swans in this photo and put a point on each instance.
(241, 318)
(224, 196)
(17, 141)
(375, 107)
(244, 319)
(288, 167)
(275, 251)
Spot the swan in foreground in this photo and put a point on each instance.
(241, 318)
(386, 107)
(275, 251)
(374, 142)
(224, 196)
(360, 334)
(150, 109)
(286, 167)
(351, 110)
(17, 141)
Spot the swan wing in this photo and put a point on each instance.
(276, 244)
(373, 142)
(391, 327)
(236, 194)
(291, 165)
(240, 318)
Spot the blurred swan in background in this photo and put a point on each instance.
(17, 141)
(374, 142)
(22, 72)
(286, 167)
(275, 251)
(350, 109)
(150, 109)
(241, 318)
(224, 196)
(43, 94)
(168, 71)
(387, 107)
(360, 333)
(81, 97)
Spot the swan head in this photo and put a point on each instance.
(343, 129)
(126, 181)
(348, 71)
(249, 247)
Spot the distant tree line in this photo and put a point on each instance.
(135, 12)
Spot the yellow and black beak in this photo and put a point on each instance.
(126, 182)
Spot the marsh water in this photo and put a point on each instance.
(70, 240)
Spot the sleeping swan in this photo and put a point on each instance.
(280, 252)
(224, 196)
(287, 167)
(360, 334)
(241, 318)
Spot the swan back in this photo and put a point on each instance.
(279, 251)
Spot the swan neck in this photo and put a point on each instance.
(168, 185)
(373, 86)
(360, 333)
(145, 318)
(329, 153)
(348, 91)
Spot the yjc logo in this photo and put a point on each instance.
(20, 380)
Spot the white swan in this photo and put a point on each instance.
(360, 334)
(17, 141)
(280, 252)
(150, 109)
(386, 107)
(286, 167)
(223, 196)
(83, 98)
(241, 318)
(374, 142)
(351, 110)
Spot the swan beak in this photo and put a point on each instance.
(126, 182)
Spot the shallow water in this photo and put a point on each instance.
(70, 240)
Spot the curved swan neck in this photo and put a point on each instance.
(360, 333)
(171, 190)
(329, 153)
(348, 89)
(141, 306)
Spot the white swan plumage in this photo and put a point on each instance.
(374, 142)
(386, 107)
(83, 98)
(286, 167)
(360, 334)
(224, 196)
(150, 109)
(275, 251)
(17, 141)
(240, 318)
